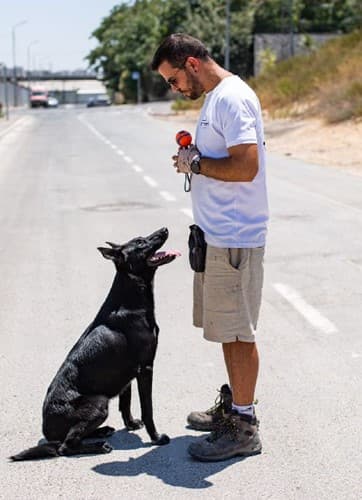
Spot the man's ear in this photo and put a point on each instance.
(194, 63)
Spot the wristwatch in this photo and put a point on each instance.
(195, 166)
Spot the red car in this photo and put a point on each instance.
(39, 98)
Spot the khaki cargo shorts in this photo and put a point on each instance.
(227, 295)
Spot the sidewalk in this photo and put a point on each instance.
(14, 115)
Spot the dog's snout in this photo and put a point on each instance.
(162, 232)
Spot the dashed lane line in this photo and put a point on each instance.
(167, 196)
(137, 168)
(149, 180)
(187, 211)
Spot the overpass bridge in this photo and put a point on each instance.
(69, 87)
(40, 76)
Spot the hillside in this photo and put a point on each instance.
(327, 83)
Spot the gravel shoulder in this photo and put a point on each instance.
(315, 142)
(311, 140)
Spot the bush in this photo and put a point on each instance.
(325, 83)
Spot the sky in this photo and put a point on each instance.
(56, 35)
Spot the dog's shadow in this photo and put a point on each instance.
(170, 463)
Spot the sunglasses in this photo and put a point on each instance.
(172, 81)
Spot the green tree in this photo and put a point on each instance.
(129, 35)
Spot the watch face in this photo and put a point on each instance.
(195, 167)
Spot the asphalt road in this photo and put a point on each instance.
(71, 179)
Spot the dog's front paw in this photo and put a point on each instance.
(133, 425)
(161, 440)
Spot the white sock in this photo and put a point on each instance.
(245, 409)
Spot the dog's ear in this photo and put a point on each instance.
(108, 253)
(113, 245)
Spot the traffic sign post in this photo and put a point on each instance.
(136, 75)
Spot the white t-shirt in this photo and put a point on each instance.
(231, 214)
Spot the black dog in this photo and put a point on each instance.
(118, 346)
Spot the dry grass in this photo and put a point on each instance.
(326, 83)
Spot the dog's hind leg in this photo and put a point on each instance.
(101, 432)
(90, 413)
(124, 406)
(144, 381)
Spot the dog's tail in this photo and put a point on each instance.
(46, 450)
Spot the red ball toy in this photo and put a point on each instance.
(183, 138)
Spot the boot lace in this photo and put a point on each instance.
(218, 406)
(227, 425)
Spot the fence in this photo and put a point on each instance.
(9, 92)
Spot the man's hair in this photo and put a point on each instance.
(176, 48)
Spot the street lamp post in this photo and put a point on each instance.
(28, 60)
(14, 62)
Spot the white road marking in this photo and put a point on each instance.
(359, 266)
(310, 313)
(167, 196)
(14, 125)
(151, 182)
(137, 168)
(188, 212)
(356, 355)
(10, 136)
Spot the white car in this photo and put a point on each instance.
(52, 102)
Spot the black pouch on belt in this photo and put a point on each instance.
(197, 249)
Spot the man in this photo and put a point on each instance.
(228, 190)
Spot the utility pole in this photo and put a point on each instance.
(291, 27)
(14, 62)
(227, 36)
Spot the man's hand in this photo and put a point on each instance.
(184, 158)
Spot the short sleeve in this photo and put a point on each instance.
(238, 120)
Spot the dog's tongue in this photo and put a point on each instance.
(163, 254)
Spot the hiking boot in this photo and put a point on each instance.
(235, 435)
(207, 420)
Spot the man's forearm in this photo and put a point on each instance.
(233, 168)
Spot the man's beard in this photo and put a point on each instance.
(194, 86)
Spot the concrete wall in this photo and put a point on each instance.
(286, 45)
(10, 89)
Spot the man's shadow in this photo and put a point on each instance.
(170, 463)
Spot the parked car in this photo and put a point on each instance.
(100, 100)
(53, 102)
(39, 98)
